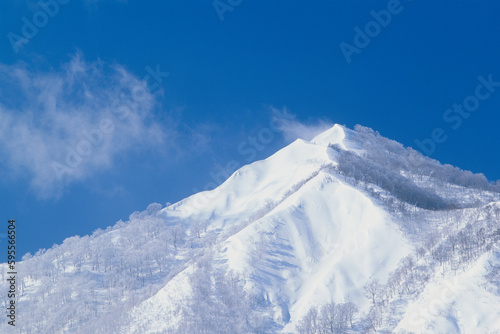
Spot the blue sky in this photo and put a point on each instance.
(157, 97)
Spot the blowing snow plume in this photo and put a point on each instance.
(64, 126)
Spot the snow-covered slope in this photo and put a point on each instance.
(463, 302)
(317, 222)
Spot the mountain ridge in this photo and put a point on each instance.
(315, 223)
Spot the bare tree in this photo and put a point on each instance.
(347, 311)
(441, 254)
(372, 290)
(177, 234)
(309, 323)
(328, 318)
(374, 318)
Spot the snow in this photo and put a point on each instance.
(462, 303)
(299, 233)
(246, 190)
(332, 136)
(321, 243)
(160, 312)
(341, 136)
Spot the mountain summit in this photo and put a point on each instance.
(349, 232)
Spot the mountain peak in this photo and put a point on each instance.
(332, 136)
(332, 224)
(341, 136)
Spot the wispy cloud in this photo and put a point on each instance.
(291, 128)
(63, 126)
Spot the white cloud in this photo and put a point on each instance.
(63, 126)
(291, 128)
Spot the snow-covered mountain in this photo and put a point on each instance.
(349, 232)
